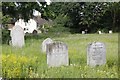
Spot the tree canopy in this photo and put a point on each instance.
(76, 16)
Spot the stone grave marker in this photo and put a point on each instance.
(57, 54)
(110, 32)
(45, 42)
(99, 32)
(83, 32)
(17, 36)
(96, 54)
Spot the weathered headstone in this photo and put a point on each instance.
(110, 31)
(96, 54)
(57, 54)
(99, 32)
(45, 42)
(17, 36)
(83, 32)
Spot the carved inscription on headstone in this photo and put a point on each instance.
(96, 54)
(57, 54)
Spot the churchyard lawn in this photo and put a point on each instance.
(30, 62)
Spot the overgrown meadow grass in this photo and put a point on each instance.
(30, 62)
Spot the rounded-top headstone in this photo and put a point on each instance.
(99, 32)
(83, 32)
(57, 54)
(110, 31)
(96, 54)
(17, 36)
(45, 43)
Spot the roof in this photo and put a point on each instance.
(41, 21)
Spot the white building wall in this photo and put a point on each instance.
(29, 26)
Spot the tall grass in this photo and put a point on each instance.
(77, 48)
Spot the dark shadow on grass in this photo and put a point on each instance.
(45, 35)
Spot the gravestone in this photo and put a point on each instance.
(110, 32)
(83, 32)
(96, 54)
(45, 42)
(99, 32)
(17, 36)
(57, 54)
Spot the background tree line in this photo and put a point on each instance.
(76, 16)
(93, 16)
(73, 17)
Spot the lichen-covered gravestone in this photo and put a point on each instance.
(45, 42)
(57, 54)
(96, 54)
(17, 36)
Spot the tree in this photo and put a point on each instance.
(89, 14)
(13, 11)
(21, 9)
(114, 9)
(81, 15)
(77, 16)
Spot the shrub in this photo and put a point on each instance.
(5, 36)
(5, 32)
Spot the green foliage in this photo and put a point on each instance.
(45, 35)
(59, 24)
(75, 16)
(23, 10)
(31, 55)
(114, 11)
(6, 19)
(5, 36)
(57, 27)
(0, 38)
(18, 66)
(5, 32)
(92, 16)
(0, 15)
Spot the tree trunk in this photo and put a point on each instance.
(114, 20)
